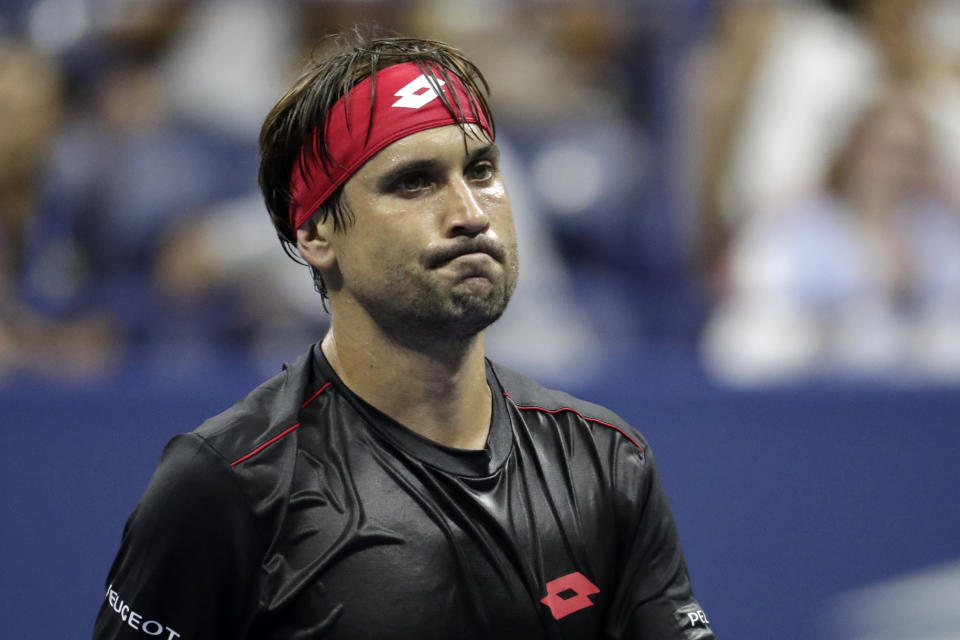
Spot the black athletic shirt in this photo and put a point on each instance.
(303, 512)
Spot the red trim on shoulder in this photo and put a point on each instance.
(574, 411)
(316, 394)
(283, 433)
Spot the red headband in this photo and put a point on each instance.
(406, 102)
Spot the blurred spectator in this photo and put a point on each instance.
(127, 171)
(231, 247)
(938, 28)
(769, 92)
(777, 84)
(30, 103)
(229, 63)
(30, 109)
(862, 278)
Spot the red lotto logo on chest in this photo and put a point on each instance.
(569, 594)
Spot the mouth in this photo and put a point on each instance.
(473, 255)
(467, 250)
(475, 265)
(476, 258)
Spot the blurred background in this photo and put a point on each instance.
(739, 229)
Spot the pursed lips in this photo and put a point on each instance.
(476, 249)
(473, 264)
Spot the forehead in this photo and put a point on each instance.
(441, 144)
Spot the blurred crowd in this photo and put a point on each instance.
(774, 184)
(827, 190)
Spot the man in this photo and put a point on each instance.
(393, 483)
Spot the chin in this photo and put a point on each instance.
(475, 321)
(431, 311)
(464, 315)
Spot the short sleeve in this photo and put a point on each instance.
(654, 598)
(190, 554)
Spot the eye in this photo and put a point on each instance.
(412, 183)
(481, 171)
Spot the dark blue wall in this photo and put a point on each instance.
(784, 498)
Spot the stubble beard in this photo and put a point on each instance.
(418, 308)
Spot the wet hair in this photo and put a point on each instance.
(302, 110)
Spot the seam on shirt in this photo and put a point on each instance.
(285, 432)
(574, 411)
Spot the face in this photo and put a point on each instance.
(891, 157)
(431, 250)
(29, 108)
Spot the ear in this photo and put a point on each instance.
(313, 243)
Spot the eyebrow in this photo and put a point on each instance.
(489, 151)
(486, 151)
(432, 165)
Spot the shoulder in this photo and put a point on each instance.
(553, 407)
(193, 526)
(266, 414)
(192, 485)
(200, 474)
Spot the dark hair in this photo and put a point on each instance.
(303, 109)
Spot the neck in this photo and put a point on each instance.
(438, 390)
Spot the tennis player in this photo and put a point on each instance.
(393, 483)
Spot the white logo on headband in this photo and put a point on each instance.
(417, 93)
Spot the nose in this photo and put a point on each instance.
(466, 216)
